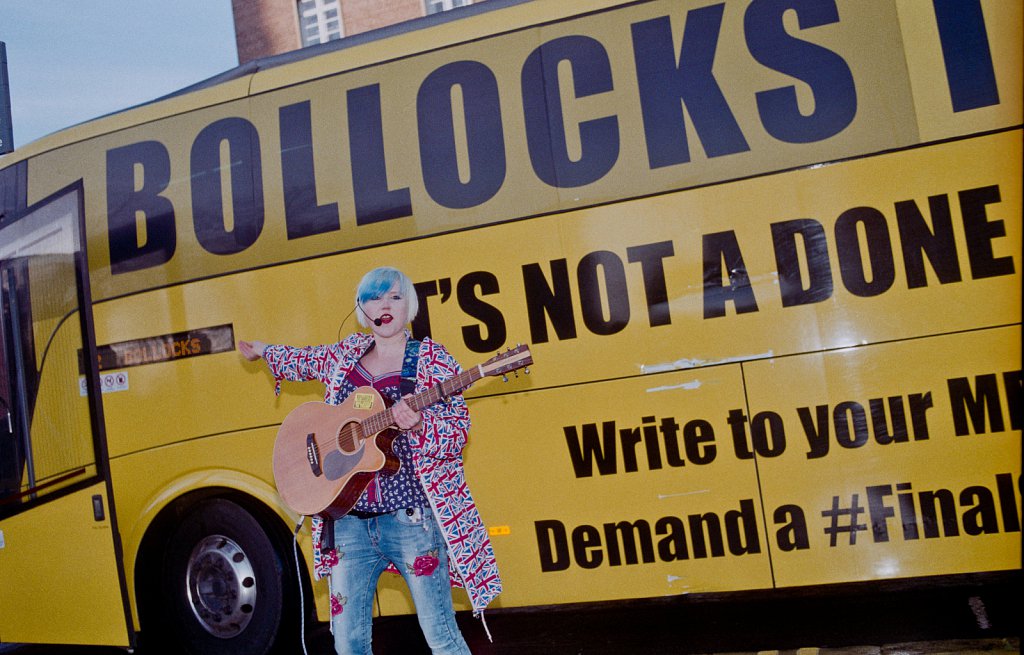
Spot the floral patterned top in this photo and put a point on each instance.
(436, 453)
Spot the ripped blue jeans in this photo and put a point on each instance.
(412, 540)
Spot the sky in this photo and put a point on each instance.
(73, 60)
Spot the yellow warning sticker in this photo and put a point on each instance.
(363, 401)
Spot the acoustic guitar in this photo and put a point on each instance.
(326, 455)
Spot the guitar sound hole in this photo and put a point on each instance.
(349, 438)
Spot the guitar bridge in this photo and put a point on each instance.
(313, 454)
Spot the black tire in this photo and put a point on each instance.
(224, 586)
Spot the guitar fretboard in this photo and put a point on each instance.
(383, 420)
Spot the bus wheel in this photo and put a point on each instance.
(224, 583)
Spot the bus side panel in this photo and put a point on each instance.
(893, 472)
(57, 559)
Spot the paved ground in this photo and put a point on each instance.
(969, 617)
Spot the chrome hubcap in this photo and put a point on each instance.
(221, 586)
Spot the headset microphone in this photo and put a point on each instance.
(375, 321)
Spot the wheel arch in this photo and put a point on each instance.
(165, 514)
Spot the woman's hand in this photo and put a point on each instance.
(406, 418)
(251, 350)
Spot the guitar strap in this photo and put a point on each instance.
(407, 385)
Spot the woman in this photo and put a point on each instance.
(420, 521)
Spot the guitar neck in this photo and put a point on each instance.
(383, 420)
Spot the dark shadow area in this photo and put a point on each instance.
(869, 614)
(938, 615)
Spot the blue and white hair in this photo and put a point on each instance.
(378, 282)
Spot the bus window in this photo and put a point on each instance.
(12, 436)
(47, 417)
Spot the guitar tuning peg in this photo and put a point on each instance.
(526, 370)
(504, 378)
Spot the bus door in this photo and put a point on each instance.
(61, 573)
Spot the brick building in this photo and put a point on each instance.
(270, 27)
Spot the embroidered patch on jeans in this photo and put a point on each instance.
(424, 564)
(338, 603)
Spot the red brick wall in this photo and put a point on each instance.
(270, 27)
(364, 15)
(265, 27)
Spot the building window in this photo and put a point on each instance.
(435, 6)
(320, 21)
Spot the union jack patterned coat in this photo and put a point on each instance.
(437, 453)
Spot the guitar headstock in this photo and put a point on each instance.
(511, 360)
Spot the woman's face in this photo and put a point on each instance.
(392, 309)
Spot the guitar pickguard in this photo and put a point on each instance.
(337, 464)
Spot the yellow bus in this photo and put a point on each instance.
(766, 255)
